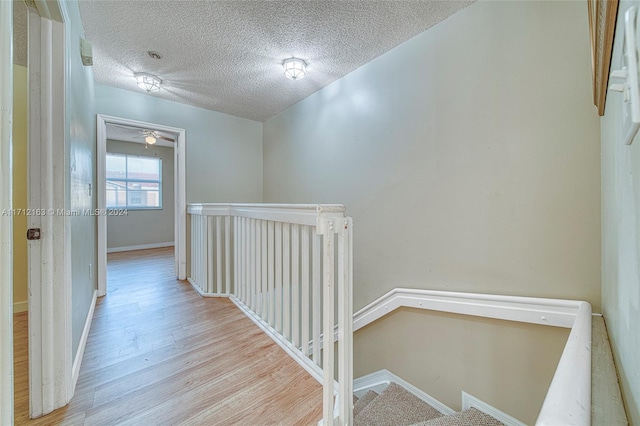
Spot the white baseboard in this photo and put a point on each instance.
(83, 342)
(20, 307)
(469, 401)
(379, 381)
(198, 290)
(140, 247)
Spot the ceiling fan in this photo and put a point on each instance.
(150, 136)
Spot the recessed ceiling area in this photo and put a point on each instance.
(227, 56)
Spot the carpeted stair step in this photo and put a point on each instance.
(360, 404)
(467, 417)
(395, 407)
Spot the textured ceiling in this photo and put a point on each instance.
(19, 33)
(226, 55)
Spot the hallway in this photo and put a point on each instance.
(158, 353)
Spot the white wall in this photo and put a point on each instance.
(224, 153)
(144, 227)
(468, 156)
(621, 239)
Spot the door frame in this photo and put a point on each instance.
(51, 384)
(6, 237)
(180, 190)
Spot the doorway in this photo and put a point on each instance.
(134, 131)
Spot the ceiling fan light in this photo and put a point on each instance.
(150, 140)
(148, 82)
(294, 68)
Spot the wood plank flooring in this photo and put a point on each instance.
(159, 354)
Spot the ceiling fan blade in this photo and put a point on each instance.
(164, 137)
(123, 126)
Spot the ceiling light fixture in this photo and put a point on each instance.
(294, 68)
(150, 140)
(148, 82)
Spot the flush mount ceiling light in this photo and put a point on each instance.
(148, 82)
(294, 68)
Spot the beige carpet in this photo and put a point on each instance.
(395, 407)
(363, 402)
(467, 417)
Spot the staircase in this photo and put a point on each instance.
(396, 406)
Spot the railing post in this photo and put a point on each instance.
(345, 322)
(327, 229)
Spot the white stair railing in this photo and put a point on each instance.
(289, 268)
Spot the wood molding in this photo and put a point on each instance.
(602, 26)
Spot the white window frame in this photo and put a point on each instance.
(127, 180)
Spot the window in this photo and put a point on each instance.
(134, 182)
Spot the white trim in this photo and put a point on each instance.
(6, 237)
(554, 312)
(49, 262)
(309, 366)
(469, 401)
(77, 362)
(379, 380)
(197, 288)
(180, 189)
(302, 214)
(20, 307)
(140, 247)
(568, 400)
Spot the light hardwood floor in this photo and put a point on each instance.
(159, 354)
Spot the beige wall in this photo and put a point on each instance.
(468, 156)
(621, 239)
(141, 227)
(444, 354)
(20, 277)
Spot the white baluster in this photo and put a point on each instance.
(258, 268)
(218, 254)
(265, 305)
(316, 297)
(252, 264)
(295, 285)
(305, 290)
(227, 254)
(271, 250)
(278, 290)
(286, 282)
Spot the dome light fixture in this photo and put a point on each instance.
(148, 82)
(294, 68)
